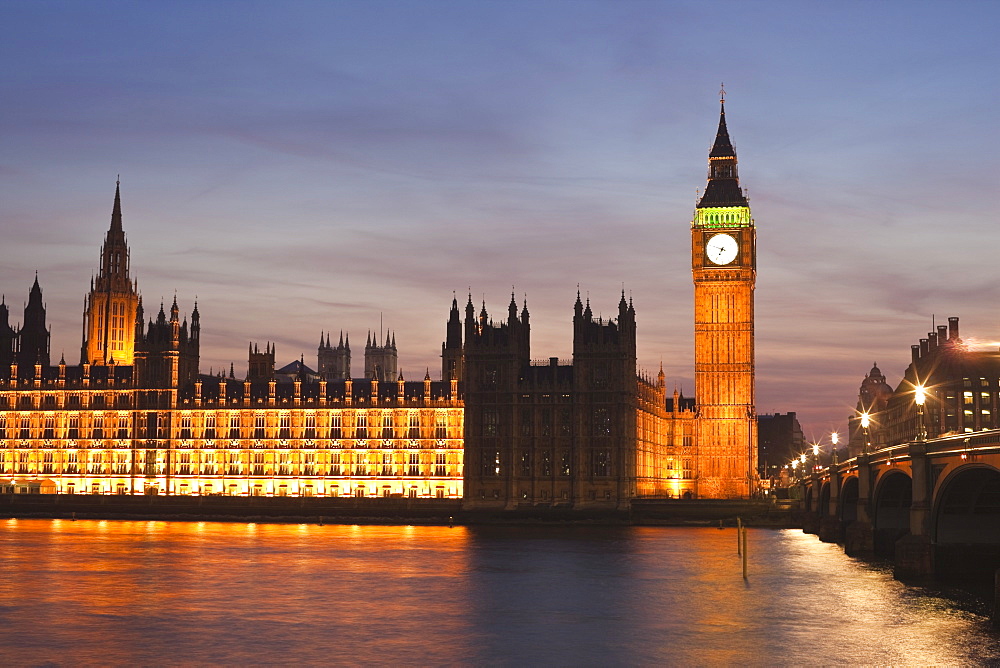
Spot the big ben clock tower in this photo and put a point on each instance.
(724, 266)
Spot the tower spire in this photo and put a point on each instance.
(723, 187)
(116, 211)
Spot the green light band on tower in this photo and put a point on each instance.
(722, 216)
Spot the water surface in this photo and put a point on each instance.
(113, 592)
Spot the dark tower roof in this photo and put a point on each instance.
(723, 187)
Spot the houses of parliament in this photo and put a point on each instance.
(501, 429)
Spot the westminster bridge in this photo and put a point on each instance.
(932, 506)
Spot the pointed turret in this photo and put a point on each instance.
(7, 338)
(33, 336)
(195, 321)
(470, 317)
(452, 349)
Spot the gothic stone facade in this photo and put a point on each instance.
(582, 433)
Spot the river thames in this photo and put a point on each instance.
(115, 592)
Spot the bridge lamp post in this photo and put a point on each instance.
(920, 396)
(815, 449)
(866, 420)
(834, 439)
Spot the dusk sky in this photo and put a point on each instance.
(318, 166)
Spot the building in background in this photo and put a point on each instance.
(500, 429)
(962, 389)
(780, 441)
(873, 396)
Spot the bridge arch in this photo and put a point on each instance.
(847, 510)
(891, 511)
(824, 499)
(808, 500)
(966, 524)
(967, 508)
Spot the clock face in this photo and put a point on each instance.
(721, 249)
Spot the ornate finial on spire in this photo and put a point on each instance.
(722, 93)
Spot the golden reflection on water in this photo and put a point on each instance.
(176, 592)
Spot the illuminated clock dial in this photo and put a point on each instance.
(721, 249)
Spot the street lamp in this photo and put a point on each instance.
(834, 439)
(866, 420)
(815, 449)
(920, 396)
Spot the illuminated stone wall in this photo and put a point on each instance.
(103, 436)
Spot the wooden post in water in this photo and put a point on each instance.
(744, 553)
(739, 536)
(996, 599)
